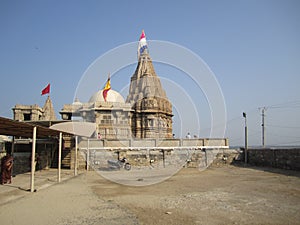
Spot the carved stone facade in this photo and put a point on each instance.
(152, 116)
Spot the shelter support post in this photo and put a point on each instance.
(75, 164)
(59, 158)
(13, 146)
(164, 162)
(88, 154)
(12, 152)
(33, 159)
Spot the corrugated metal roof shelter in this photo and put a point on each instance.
(15, 128)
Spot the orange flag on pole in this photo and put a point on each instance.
(106, 88)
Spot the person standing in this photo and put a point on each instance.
(188, 136)
(6, 169)
(38, 162)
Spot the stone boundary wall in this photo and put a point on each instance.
(157, 152)
(158, 158)
(148, 143)
(288, 158)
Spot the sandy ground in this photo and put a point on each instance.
(226, 195)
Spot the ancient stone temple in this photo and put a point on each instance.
(147, 112)
(152, 116)
(34, 112)
(112, 115)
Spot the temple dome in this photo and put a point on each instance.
(76, 102)
(112, 96)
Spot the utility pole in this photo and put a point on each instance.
(263, 126)
(246, 137)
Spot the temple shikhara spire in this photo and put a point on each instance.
(153, 110)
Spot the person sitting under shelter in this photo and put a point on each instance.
(6, 169)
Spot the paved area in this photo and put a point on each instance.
(20, 185)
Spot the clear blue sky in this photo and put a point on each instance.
(252, 47)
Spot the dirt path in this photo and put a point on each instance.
(70, 202)
(227, 195)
